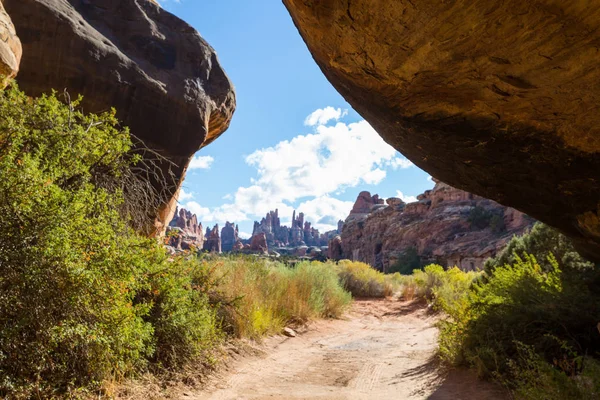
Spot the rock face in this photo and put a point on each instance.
(163, 79)
(184, 231)
(500, 98)
(259, 244)
(10, 48)
(213, 240)
(446, 226)
(229, 236)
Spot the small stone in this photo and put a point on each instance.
(289, 332)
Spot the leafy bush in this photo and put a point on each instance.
(542, 241)
(83, 298)
(68, 274)
(531, 326)
(363, 281)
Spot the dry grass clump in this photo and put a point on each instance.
(363, 281)
(267, 295)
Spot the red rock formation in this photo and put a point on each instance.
(334, 249)
(163, 79)
(213, 240)
(185, 231)
(437, 226)
(10, 48)
(259, 243)
(238, 246)
(229, 236)
(499, 98)
(301, 232)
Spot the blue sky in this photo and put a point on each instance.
(294, 142)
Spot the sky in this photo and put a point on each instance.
(294, 143)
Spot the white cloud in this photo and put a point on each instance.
(195, 208)
(327, 161)
(201, 162)
(183, 195)
(325, 212)
(324, 115)
(401, 162)
(309, 168)
(244, 235)
(405, 198)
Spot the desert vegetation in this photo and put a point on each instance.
(86, 301)
(528, 322)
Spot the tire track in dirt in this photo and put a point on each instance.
(381, 349)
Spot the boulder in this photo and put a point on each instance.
(164, 80)
(10, 48)
(498, 98)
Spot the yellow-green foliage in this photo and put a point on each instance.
(83, 298)
(270, 295)
(441, 287)
(363, 281)
(532, 328)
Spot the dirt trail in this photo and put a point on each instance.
(382, 349)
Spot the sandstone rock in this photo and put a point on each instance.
(184, 231)
(229, 236)
(334, 250)
(213, 240)
(238, 246)
(10, 48)
(289, 332)
(496, 98)
(436, 228)
(259, 243)
(164, 80)
(300, 233)
(363, 203)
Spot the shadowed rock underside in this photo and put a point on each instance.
(499, 98)
(164, 80)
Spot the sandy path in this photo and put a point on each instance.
(382, 349)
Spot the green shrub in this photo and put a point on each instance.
(525, 320)
(541, 242)
(74, 279)
(479, 217)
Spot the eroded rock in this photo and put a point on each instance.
(497, 98)
(446, 226)
(10, 48)
(164, 80)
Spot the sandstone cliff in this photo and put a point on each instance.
(446, 225)
(10, 48)
(499, 98)
(185, 231)
(164, 80)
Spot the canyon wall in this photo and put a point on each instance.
(446, 225)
